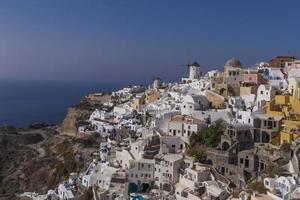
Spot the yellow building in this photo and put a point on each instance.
(288, 107)
(138, 101)
(152, 96)
(290, 132)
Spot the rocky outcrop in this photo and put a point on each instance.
(78, 114)
(69, 125)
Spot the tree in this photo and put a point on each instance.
(258, 186)
(210, 136)
(200, 156)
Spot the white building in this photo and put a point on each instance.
(244, 117)
(214, 191)
(292, 68)
(142, 173)
(194, 175)
(190, 103)
(98, 174)
(281, 186)
(264, 93)
(124, 157)
(65, 191)
(184, 126)
(166, 170)
(171, 144)
(277, 79)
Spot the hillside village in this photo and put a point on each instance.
(216, 135)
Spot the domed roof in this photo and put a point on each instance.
(195, 64)
(233, 62)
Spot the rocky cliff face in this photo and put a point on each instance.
(78, 114)
(69, 125)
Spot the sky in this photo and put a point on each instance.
(136, 40)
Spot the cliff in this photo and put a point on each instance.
(78, 115)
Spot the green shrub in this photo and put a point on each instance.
(200, 156)
(210, 136)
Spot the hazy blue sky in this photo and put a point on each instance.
(136, 40)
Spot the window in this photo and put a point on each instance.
(261, 92)
(267, 183)
(246, 163)
(184, 106)
(149, 166)
(191, 107)
(241, 160)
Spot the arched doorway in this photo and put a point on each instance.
(132, 188)
(209, 162)
(222, 91)
(225, 146)
(167, 187)
(265, 137)
(145, 187)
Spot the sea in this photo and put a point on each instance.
(26, 102)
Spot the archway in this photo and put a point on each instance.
(222, 91)
(209, 162)
(145, 187)
(132, 188)
(167, 187)
(265, 137)
(225, 146)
